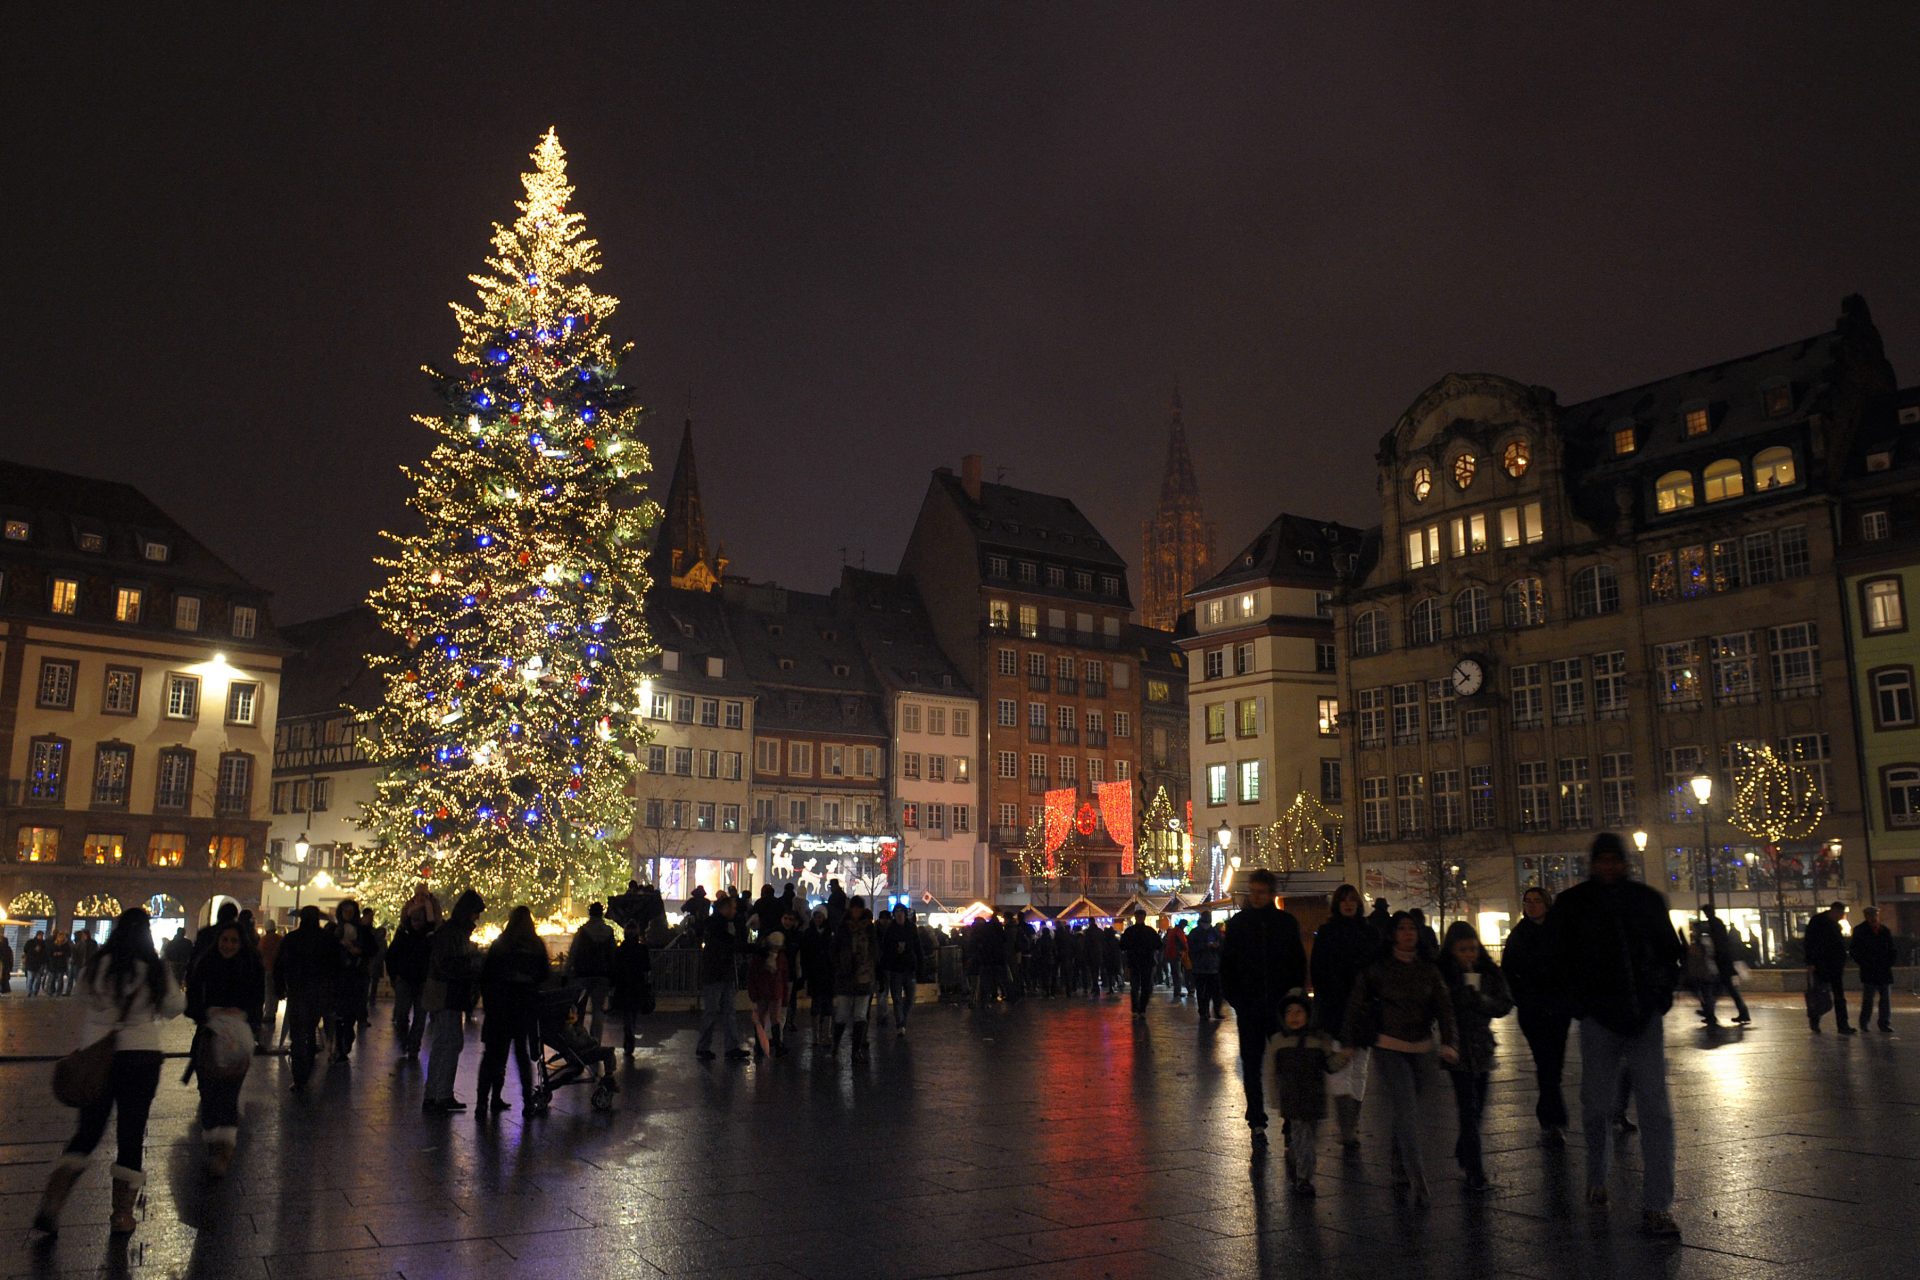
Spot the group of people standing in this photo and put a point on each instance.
(52, 965)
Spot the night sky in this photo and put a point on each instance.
(859, 242)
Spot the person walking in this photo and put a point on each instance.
(1826, 951)
(856, 954)
(1398, 1001)
(590, 963)
(1046, 962)
(1142, 947)
(33, 956)
(451, 969)
(407, 958)
(697, 910)
(1725, 977)
(1303, 1058)
(767, 980)
(375, 961)
(308, 971)
(1343, 946)
(632, 993)
(1872, 949)
(721, 944)
(1544, 1020)
(1616, 960)
(59, 965)
(900, 964)
(349, 1008)
(225, 989)
(1261, 961)
(1480, 997)
(516, 967)
(816, 970)
(1204, 946)
(125, 991)
(269, 951)
(990, 953)
(1179, 957)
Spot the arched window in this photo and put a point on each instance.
(1463, 469)
(1424, 622)
(1724, 479)
(1470, 612)
(1516, 458)
(1773, 468)
(1673, 491)
(1902, 782)
(1370, 632)
(1526, 603)
(1422, 483)
(1595, 591)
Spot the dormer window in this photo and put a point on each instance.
(996, 566)
(1516, 458)
(1697, 422)
(1625, 441)
(1777, 400)
(186, 613)
(841, 669)
(93, 542)
(1029, 572)
(786, 664)
(155, 550)
(1880, 461)
(18, 531)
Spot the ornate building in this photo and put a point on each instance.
(1177, 543)
(680, 556)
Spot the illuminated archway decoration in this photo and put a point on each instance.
(31, 905)
(1305, 838)
(97, 906)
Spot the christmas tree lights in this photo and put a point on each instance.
(1775, 799)
(509, 720)
(1304, 838)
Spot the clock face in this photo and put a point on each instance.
(1468, 676)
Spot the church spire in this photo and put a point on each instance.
(680, 555)
(1177, 543)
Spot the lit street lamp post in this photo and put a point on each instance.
(1223, 838)
(1702, 784)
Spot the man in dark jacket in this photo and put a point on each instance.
(407, 957)
(1544, 1019)
(590, 963)
(1615, 958)
(1142, 947)
(1873, 950)
(308, 970)
(1261, 961)
(452, 965)
(900, 964)
(720, 944)
(1724, 974)
(1827, 963)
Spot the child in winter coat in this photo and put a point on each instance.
(1302, 1061)
(1480, 995)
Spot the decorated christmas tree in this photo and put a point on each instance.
(508, 726)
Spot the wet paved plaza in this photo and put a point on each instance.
(1049, 1139)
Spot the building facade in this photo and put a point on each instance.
(1176, 543)
(139, 685)
(1165, 764)
(1029, 603)
(692, 793)
(1263, 690)
(1570, 612)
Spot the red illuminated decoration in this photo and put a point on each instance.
(889, 850)
(1086, 822)
(1116, 807)
(1060, 803)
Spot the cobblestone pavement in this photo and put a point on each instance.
(1048, 1139)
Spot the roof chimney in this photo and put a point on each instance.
(970, 475)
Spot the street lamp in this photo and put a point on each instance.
(1640, 842)
(1702, 784)
(753, 865)
(300, 850)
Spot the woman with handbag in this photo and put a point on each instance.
(126, 989)
(225, 989)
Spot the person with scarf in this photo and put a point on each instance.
(225, 989)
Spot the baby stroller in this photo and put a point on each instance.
(568, 1054)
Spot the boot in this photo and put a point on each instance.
(1347, 1113)
(860, 1041)
(779, 1048)
(220, 1146)
(125, 1195)
(66, 1172)
(839, 1032)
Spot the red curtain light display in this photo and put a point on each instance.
(1116, 808)
(1060, 803)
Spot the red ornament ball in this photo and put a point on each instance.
(1088, 821)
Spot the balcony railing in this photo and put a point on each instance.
(1038, 786)
(1067, 735)
(1096, 737)
(1108, 891)
(1066, 684)
(1096, 688)
(1037, 733)
(1038, 684)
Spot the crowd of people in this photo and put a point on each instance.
(1381, 996)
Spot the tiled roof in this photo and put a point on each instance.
(1276, 553)
(800, 651)
(1038, 524)
(895, 633)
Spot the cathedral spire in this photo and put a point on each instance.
(680, 555)
(1177, 543)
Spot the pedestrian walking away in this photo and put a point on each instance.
(816, 971)
(1395, 1006)
(1872, 948)
(512, 975)
(590, 964)
(1616, 960)
(1303, 1059)
(721, 944)
(856, 954)
(632, 995)
(1179, 959)
(308, 971)
(127, 988)
(1342, 948)
(1143, 948)
(900, 961)
(452, 967)
(1544, 1020)
(1261, 961)
(1480, 998)
(1826, 952)
(1204, 945)
(408, 955)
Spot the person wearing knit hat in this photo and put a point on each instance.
(1303, 1057)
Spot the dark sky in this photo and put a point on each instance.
(863, 241)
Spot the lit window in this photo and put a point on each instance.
(1723, 480)
(183, 697)
(1882, 604)
(1216, 784)
(246, 621)
(66, 596)
(1903, 796)
(37, 844)
(1422, 483)
(1516, 458)
(18, 531)
(1423, 547)
(1526, 603)
(1697, 423)
(126, 604)
(1463, 468)
(1674, 491)
(121, 694)
(1329, 717)
(155, 551)
(1772, 468)
(1469, 534)
(56, 684)
(92, 542)
(1624, 442)
(1246, 606)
